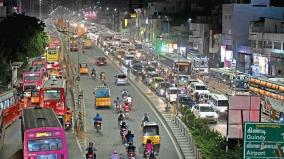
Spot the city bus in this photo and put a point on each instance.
(53, 55)
(32, 79)
(232, 80)
(10, 106)
(42, 134)
(53, 95)
(271, 91)
(39, 62)
(178, 64)
(2, 129)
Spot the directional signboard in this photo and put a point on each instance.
(263, 140)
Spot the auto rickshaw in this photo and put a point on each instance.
(35, 96)
(84, 68)
(150, 130)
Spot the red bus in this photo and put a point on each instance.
(53, 95)
(39, 62)
(10, 105)
(2, 129)
(33, 79)
(43, 135)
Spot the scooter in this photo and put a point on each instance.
(90, 155)
(131, 155)
(98, 126)
(68, 125)
(93, 75)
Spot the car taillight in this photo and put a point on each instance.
(62, 156)
(31, 157)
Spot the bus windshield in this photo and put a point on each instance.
(35, 92)
(52, 94)
(31, 78)
(44, 145)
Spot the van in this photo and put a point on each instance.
(172, 93)
(198, 87)
(219, 102)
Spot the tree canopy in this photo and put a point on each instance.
(21, 37)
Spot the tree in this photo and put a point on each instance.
(21, 36)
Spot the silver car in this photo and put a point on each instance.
(120, 79)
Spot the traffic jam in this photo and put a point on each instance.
(41, 104)
(168, 77)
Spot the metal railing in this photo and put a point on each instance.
(186, 133)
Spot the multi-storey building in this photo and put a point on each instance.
(235, 30)
(267, 44)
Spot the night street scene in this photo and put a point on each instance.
(142, 79)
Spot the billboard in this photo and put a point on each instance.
(241, 109)
(263, 140)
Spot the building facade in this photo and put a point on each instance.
(235, 31)
(267, 45)
(198, 40)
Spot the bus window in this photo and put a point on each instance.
(44, 145)
(51, 95)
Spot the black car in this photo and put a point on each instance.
(185, 101)
(137, 69)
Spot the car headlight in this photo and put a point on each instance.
(162, 91)
(216, 116)
(156, 85)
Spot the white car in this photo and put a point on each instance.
(127, 60)
(199, 88)
(205, 111)
(171, 94)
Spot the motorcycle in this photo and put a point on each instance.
(68, 125)
(93, 75)
(98, 126)
(131, 155)
(123, 133)
(117, 108)
(124, 96)
(91, 155)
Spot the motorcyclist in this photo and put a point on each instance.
(145, 119)
(93, 71)
(129, 99)
(124, 93)
(68, 116)
(115, 155)
(91, 150)
(126, 107)
(97, 120)
(121, 116)
(131, 147)
(129, 137)
(149, 147)
(102, 76)
(123, 125)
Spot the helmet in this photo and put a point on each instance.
(114, 152)
(120, 111)
(124, 90)
(97, 114)
(91, 144)
(129, 131)
(145, 114)
(117, 98)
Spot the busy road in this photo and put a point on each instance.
(109, 139)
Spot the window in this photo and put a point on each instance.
(229, 47)
(52, 94)
(277, 45)
(268, 44)
(165, 8)
(44, 145)
(253, 43)
(260, 44)
(225, 17)
(229, 17)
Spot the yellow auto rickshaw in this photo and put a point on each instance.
(150, 131)
(84, 68)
